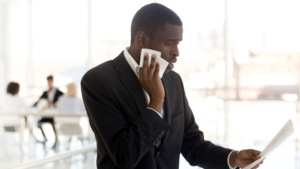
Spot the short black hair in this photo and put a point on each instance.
(50, 78)
(13, 88)
(151, 18)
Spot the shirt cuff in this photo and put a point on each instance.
(155, 111)
(229, 163)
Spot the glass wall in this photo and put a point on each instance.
(59, 42)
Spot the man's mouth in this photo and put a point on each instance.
(171, 64)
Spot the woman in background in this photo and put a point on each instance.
(13, 104)
(69, 103)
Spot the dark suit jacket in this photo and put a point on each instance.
(127, 132)
(58, 93)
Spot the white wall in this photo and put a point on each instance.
(3, 68)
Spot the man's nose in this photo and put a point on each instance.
(175, 51)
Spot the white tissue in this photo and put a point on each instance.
(162, 63)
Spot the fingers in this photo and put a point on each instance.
(145, 64)
(255, 154)
(148, 70)
(152, 65)
(157, 68)
(255, 167)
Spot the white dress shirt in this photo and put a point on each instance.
(13, 104)
(51, 94)
(70, 105)
(135, 67)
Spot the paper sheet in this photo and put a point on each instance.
(286, 131)
(162, 63)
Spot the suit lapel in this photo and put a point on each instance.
(167, 114)
(55, 96)
(131, 82)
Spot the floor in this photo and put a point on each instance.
(11, 154)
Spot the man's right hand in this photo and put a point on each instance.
(151, 82)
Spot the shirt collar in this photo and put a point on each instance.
(52, 90)
(134, 66)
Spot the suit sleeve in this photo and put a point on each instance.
(58, 94)
(43, 96)
(196, 150)
(124, 143)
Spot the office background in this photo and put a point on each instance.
(239, 60)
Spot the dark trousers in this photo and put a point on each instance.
(47, 120)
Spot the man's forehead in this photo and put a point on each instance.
(171, 32)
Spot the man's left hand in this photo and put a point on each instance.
(244, 157)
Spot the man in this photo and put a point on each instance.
(52, 96)
(141, 121)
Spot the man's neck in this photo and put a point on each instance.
(135, 53)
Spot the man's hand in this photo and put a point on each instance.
(151, 82)
(244, 157)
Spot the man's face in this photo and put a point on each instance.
(166, 41)
(50, 84)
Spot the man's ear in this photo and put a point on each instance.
(142, 40)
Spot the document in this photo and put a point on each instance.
(286, 131)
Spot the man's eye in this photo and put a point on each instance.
(169, 44)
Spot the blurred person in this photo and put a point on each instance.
(69, 103)
(141, 121)
(52, 95)
(13, 104)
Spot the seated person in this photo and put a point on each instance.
(13, 104)
(52, 96)
(70, 104)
